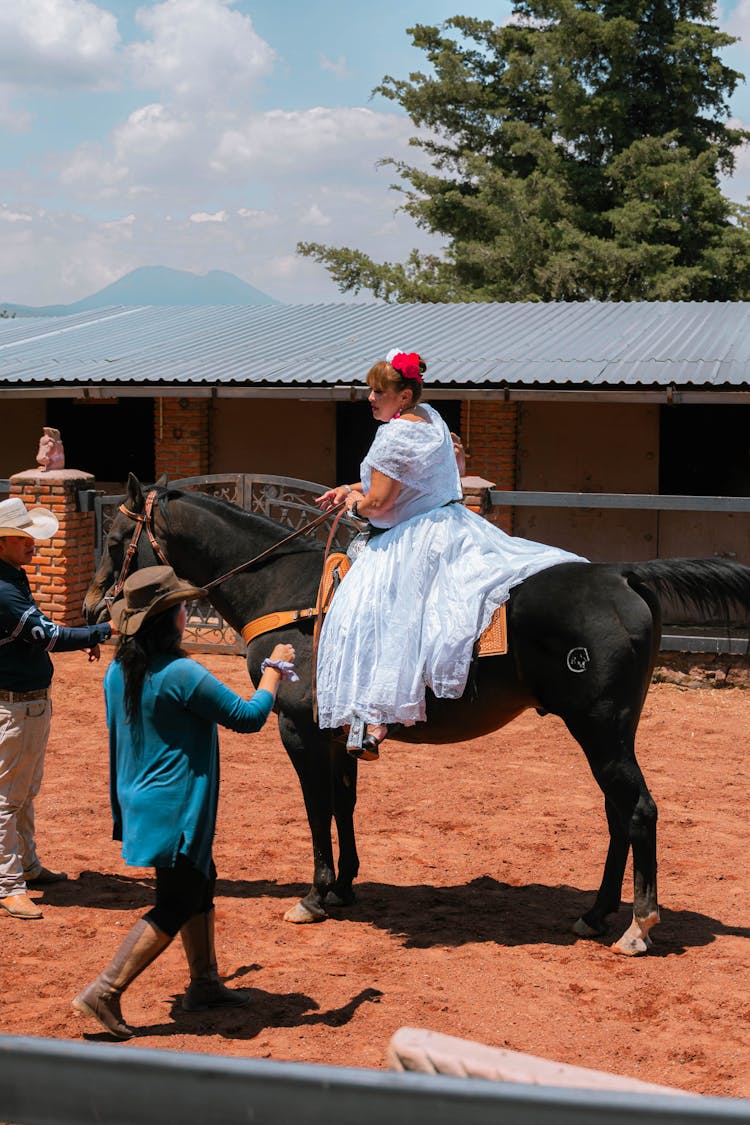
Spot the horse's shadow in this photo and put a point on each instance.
(486, 910)
(265, 1010)
(423, 916)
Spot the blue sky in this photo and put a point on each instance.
(211, 134)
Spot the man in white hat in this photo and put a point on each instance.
(26, 639)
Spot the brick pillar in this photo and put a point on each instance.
(62, 567)
(181, 433)
(476, 492)
(490, 435)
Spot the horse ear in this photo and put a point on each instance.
(163, 481)
(135, 492)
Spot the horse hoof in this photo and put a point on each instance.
(301, 915)
(636, 940)
(334, 899)
(584, 930)
(632, 947)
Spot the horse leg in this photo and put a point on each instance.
(631, 817)
(594, 922)
(309, 752)
(344, 800)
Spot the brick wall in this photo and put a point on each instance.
(181, 436)
(490, 436)
(60, 572)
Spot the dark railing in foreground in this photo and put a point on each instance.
(58, 1082)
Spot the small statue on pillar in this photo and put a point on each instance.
(51, 454)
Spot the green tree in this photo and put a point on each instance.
(573, 154)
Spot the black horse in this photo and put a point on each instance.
(583, 642)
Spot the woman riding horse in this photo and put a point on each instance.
(425, 587)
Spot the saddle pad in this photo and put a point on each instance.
(494, 640)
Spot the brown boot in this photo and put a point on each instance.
(205, 989)
(142, 945)
(20, 906)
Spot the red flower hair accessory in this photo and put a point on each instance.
(408, 365)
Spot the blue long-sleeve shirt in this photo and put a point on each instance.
(27, 636)
(164, 766)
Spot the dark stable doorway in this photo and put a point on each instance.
(704, 450)
(108, 439)
(356, 428)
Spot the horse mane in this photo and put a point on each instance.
(270, 530)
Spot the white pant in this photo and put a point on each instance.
(24, 730)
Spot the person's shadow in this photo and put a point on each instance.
(102, 891)
(265, 1010)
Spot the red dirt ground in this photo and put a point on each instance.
(476, 860)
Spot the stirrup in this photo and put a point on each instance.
(367, 750)
(355, 736)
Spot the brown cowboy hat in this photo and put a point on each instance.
(146, 593)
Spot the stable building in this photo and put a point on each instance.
(587, 398)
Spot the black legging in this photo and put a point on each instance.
(181, 892)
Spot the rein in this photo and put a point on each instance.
(282, 542)
(260, 624)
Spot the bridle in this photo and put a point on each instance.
(143, 520)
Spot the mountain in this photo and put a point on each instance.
(158, 285)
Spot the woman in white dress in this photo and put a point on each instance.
(425, 586)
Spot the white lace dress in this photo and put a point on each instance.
(417, 597)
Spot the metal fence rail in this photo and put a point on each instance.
(58, 1082)
(732, 640)
(633, 500)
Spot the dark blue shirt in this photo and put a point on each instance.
(27, 636)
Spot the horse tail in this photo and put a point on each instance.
(714, 587)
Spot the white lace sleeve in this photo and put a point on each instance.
(393, 452)
(416, 454)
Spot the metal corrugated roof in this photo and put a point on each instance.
(587, 344)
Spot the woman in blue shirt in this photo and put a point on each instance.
(162, 713)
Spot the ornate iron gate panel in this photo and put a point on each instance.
(288, 501)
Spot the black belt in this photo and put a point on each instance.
(23, 696)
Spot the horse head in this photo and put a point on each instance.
(122, 550)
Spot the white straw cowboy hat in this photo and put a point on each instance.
(146, 593)
(17, 519)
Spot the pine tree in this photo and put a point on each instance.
(574, 154)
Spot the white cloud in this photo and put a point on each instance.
(737, 21)
(315, 217)
(167, 156)
(57, 45)
(200, 52)
(312, 139)
(337, 66)
(737, 187)
(9, 216)
(124, 222)
(196, 175)
(258, 218)
(58, 257)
